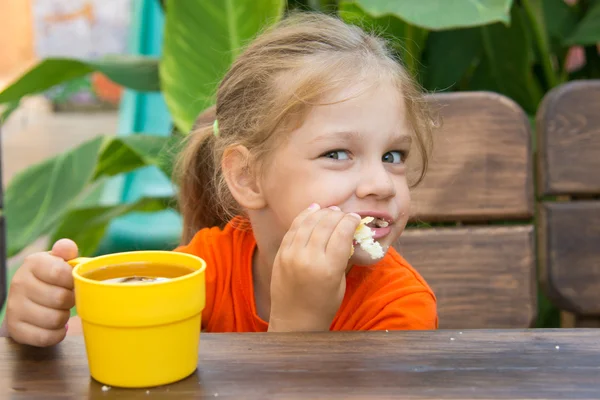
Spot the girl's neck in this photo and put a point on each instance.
(262, 268)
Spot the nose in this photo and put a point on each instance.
(375, 181)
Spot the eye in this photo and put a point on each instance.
(337, 155)
(394, 157)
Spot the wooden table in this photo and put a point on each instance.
(505, 364)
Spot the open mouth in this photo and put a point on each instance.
(377, 223)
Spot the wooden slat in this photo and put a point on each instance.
(569, 252)
(481, 163)
(482, 277)
(568, 126)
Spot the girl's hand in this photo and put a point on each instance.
(40, 297)
(309, 280)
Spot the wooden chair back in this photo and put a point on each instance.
(474, 239)
(568, 126)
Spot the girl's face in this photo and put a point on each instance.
(350, 154)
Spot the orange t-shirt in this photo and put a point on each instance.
(388, 295)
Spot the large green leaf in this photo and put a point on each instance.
(508, 53)
(202, 38)
(449, 55)
(587, 33)
(407, 39)
(481, 78)
(39, 197)
(560, 19)
(440, 14)
(124, 154)
(138, 73)
(87, 226)
(328, 6)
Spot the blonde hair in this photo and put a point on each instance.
(271, 85)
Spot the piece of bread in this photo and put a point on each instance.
(364, 237)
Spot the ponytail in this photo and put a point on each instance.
(198, 180)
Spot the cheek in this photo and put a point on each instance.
(403, 201)
(326, 188)
(334, 193)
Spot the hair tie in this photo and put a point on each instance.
(216, 128)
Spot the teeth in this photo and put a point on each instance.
(375, 222)
(381, 223)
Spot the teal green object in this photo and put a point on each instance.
(216, 128)
(143, 113)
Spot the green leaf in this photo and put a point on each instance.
(587, 33)
(124, 154)
(507, 50)
(138, 73)
(449, 55)
(560, 19)
(37, 198)
(87, 226)
(328, 6)
(93, 194)
(440, 14)
(407, 40)
(482, 78)
(202, 39)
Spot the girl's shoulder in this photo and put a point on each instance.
(235, 235)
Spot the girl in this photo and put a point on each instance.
(314, 123)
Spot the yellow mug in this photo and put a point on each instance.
(141, 335)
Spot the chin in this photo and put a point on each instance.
(362, 258)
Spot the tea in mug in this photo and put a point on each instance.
(137, 273)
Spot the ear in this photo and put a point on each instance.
(241, 178)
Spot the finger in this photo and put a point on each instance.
(26, 333)
(44, 317)
(53, 270)
(342, 236)
(321, 233)
(304, 232)
(65, 249)
(50, 296)
(288, 238)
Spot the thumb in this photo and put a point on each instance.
(65, 249)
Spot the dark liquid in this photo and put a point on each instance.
(137, 273)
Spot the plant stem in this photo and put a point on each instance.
(535, 18)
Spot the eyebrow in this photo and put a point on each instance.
(354, 135)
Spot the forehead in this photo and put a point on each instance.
(367, 107)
